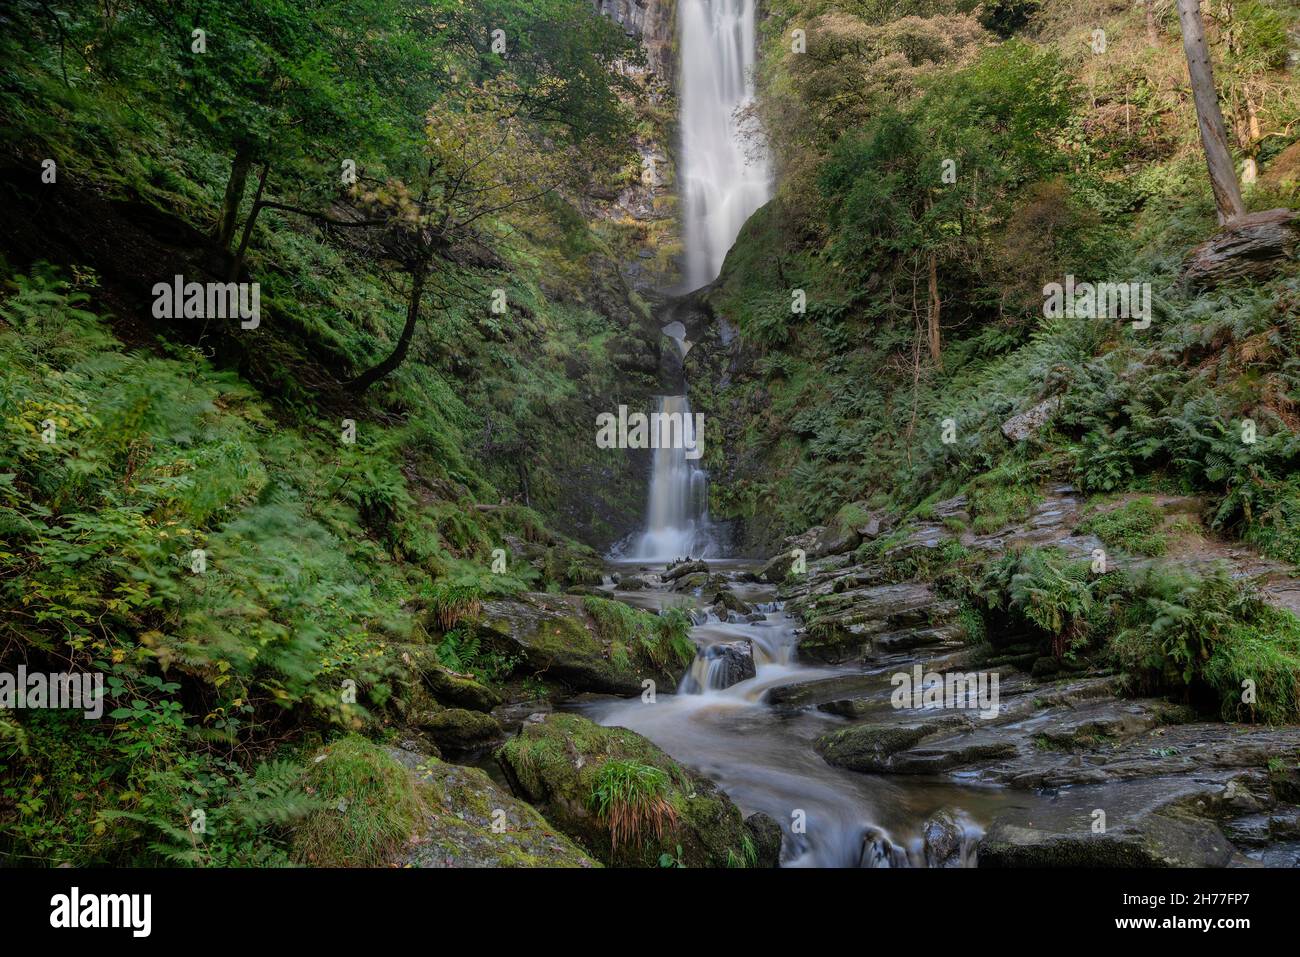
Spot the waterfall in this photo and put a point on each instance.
(677, 515)
(721, 183)
(721, 186)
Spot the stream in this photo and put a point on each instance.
(761, 755)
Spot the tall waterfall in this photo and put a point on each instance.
(721, 182)
(724, 177)
(677, 517)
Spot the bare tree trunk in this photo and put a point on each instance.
(398, 356)
(237, 264)
(1214, 136)
(234, 196)
(934, 310)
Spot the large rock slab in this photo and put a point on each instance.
(471, 822)
(1132, 826)
(561, 642)
(557, 763)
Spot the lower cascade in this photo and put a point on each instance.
(677, 515)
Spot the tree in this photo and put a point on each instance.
(479, 160)
(1214, 136)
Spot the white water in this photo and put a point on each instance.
(766, 759)
(677, 514)
(721, 182)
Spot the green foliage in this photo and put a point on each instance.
(1186, 634)
(462, 652)
(1044, 589)
(1005, 17)
(1135, 526)
(663, 640)
(369, 807)
(632, 800)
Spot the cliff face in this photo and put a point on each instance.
(652, 21)
(638, 215)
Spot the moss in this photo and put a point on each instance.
(1135, 526)
(461, 729)
(372, 807)
(867, 747)
(562, 762)
(999, 497)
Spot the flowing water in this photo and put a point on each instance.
(724, 174)
(762, 756)
(677, 514)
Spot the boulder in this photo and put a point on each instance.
(778, 567)
(559, 764)
(943, 837)
(468, 821)
(692, 582)
(1022, 426)
(458, 729)
(558, 639)
(735, 662)
(728, 600)
(841, 534)
(869, 747)
(765, 834)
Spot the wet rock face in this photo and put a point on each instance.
(735, 662)
(1143, 824)
(766, 835)
(943, 836)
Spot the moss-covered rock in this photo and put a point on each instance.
(469, 821)
(458, 729)
(369, 807)
(447, 687)
(778, 567)
(766, 836)
(559, 764)
(869, 747)
(589, 643)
